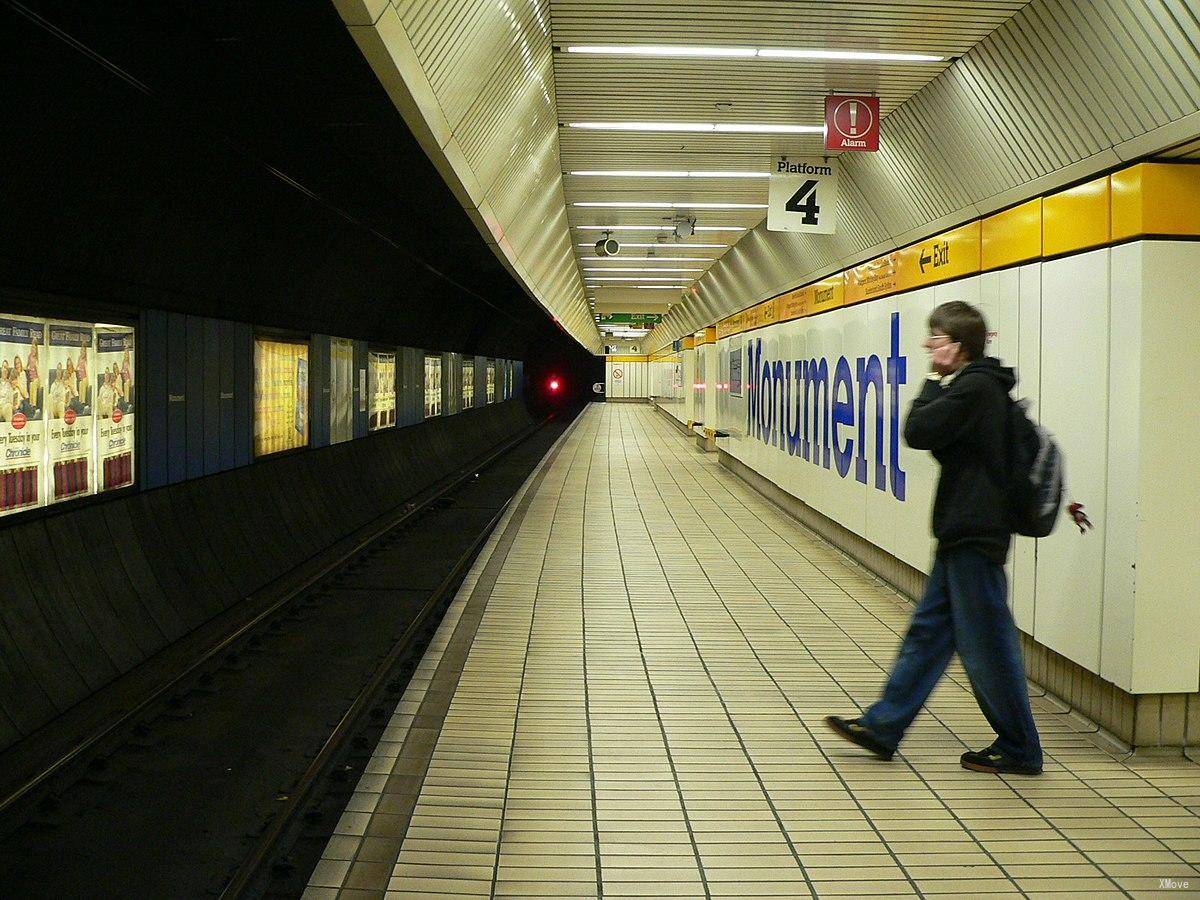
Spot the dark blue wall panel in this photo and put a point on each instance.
(227, 339)
(176, 397)
(152, 352)
(360, 387)
(243, 393)
(212, 397)
(195, 396)
(318, 385)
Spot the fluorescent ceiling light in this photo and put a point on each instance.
(718, 127)
(637, 269)
(863, 55)
(664, 204)
(680, 50)
(663, 50)
(656, 228)
(661, 247)
(648, 258)
(656, 287)
(674, 278)
(649, 173)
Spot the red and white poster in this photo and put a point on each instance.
(114, 407)
(851, 123)
(69, 397)
(22, 344)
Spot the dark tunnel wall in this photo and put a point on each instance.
(239, 161)
(207, 173)
(94, 593)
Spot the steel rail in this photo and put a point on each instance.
(247, 873)
(122, 720)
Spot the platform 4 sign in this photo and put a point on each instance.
(802, 194)
(851, 123)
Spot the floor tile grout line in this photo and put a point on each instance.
(833, 768)
(834, 679)
(521, 685)
(918, 774)
(1023, 799)
(937, 718)
(464, 596)
(587, 700)
(732, 724)
(653, 693)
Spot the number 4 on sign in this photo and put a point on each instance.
(798, 203)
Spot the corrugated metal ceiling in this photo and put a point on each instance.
(611, 88)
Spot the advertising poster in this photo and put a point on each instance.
(381, 408)
(341, 390)
(21, 421)
(735, 371)
(69, 395)
(114, 407)
(468, 384)
(433, 386)
(280, 396)
(491, 381)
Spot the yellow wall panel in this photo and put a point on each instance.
(951, 254)
(876, 278)
(1012, 236)
(1155, 198)
(1077, 218)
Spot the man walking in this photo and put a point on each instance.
(961, 416)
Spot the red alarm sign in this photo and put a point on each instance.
(851, 123)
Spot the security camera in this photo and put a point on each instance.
(685, 228)
(607, 247)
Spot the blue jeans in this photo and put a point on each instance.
(965, 608)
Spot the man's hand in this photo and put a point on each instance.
(944, 359)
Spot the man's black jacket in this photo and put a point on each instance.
(965, 425)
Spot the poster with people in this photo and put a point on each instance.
(69, 396)
(341, 390)
(114, 407)
(22, 445)
(280, 396)
(381, 408)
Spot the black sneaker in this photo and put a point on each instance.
(857, 733)
(993, 761)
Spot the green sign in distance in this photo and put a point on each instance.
(629, 318)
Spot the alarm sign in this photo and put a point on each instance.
(851, 123)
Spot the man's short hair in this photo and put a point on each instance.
(963, 323)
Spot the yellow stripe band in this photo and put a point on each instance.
(1147, 199)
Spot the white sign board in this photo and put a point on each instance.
(802, 194)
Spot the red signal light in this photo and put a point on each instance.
(554, 384)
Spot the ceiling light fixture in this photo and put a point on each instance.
(663, 204)
(668, 259)
(638, 269)
(718, 127)
(657, 287)
(649, 173)
(655, 228)
(674, 278)
(665, 247)
(679, 50)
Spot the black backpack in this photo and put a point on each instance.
(1036, 474)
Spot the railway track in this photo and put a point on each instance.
(230, 777)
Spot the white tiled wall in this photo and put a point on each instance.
(1105, 344)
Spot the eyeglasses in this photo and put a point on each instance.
(944, 338)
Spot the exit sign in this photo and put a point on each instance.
(851, 123)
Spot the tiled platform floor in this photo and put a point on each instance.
(640, 715)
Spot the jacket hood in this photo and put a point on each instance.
(992, 368)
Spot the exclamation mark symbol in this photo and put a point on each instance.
(854, 117)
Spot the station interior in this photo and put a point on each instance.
(539, 448)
